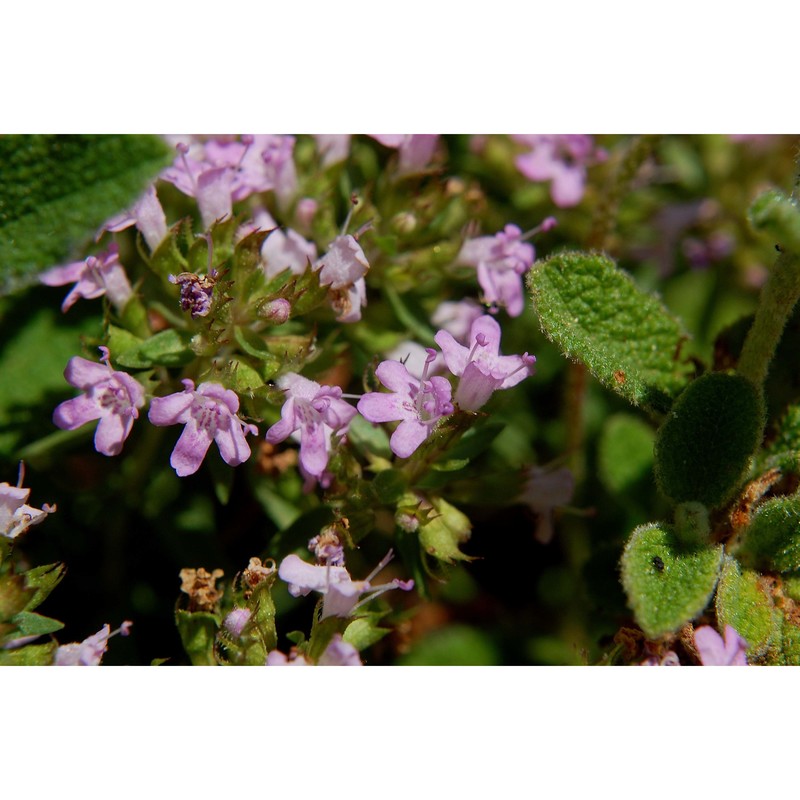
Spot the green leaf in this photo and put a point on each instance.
(772, 539)
(625, 455)
(667, 585)
(56, 191)
(43, 580)
(595, 313)
(368, 438)
(364, 632)
(14, 597)
(703, 449)
(198, 630)
(790, 642)
(445, 531)
(170, 348)
(783, 451)
(744, 602)
(779, 216)
(32, 655)
(389, 485)
(30, 624)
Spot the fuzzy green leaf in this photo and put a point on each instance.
(703, 449)
(790, 642)
(783, 451)
(595, 313)
(364, 632)
(744, 602)
(667, 585)
(56, 191)
(772, 539)
(14, 596)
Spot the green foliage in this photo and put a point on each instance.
(363, 632)
(55, 191)
(168, 348)
(790, 642)
(666, 583)
(783, 450)
(779, 216)
(445, 530)
(33, 655)
(625, 452)
(43, 580)
(595, 313)
(772, 539)
(198, 631)
(703, 449)
(743, 601)
(30, 624)
(456, 645)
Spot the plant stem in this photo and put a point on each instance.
(778, 298)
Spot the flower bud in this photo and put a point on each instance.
(276, 311)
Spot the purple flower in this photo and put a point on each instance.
(418, 403)
(94, 277)
(480, 366)
(457, 318)
(333, 147)
(338, 653)
(501, 261)
(15, 515)
(90, 651)
(313, 413)
(669, 659)
(342, 594)
(147, 215)
(561, 159)
(415, 149)
(545, 490)
(714, 652)
(343, 264)
(209, 413)
(196, 292)
(416, 359)
(284, 249)
(112, 397)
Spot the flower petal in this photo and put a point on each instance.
(190, 449)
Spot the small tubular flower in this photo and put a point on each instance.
(481, 368)
(338, 653)
(147, 215)
(342, 594)
(501, 261)
(560, 159)
(418, 403)
(284, 249)
(89, 652)
(415, 150)
(313, 414)
(96, 276)
(343, 264)
(715, 651)
(209, 414)
(15, 515)
(110, 396)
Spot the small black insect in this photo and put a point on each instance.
(658, 563)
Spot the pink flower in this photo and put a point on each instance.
(342, 594)
(415, 149)
(90, 651)
(283, 249)
(333, 147)
(15, 515)
(457, 318)
(561, 159)
(481, 367)
(209, 414)
(501, 261)
(338, 653)
(147, 215)
(94, 277)
(112, 397)
(236, 620)
(714, 652)
(343, 264)
(418, 403)
(314, 414)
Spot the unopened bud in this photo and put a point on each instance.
(276, 311)
(404, 222)
(306, 208)
(235, 621)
